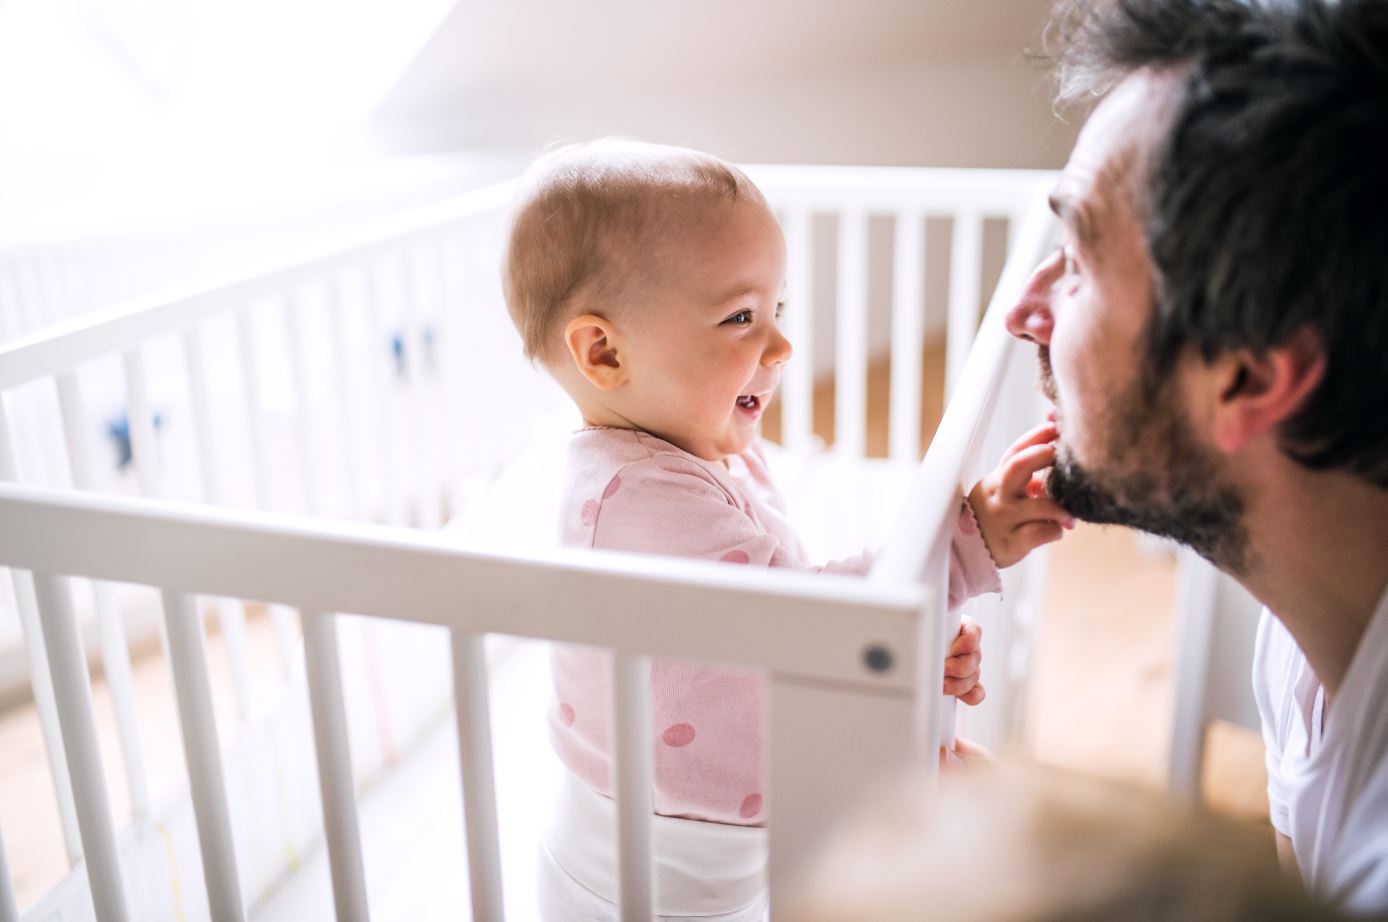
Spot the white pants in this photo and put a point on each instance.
(703, 871)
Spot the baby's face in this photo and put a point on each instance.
(705, 350)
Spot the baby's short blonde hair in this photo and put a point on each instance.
(592, 222)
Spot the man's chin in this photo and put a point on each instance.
(1193, 510)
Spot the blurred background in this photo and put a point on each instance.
(141, 115)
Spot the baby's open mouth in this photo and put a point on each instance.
(749, 402)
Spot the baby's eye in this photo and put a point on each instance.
(741, 318)
(780, 309)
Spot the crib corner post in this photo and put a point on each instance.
(852, 735)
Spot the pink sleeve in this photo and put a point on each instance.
(668, 506)
(971, 568)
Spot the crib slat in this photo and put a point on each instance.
(965, 268)
(230, 613)
(335, 776)
(938, 627)
(140, 418)
(851, 359)
(479, 783)
(255, 420)
(280, 617)
(202, 415)
(797, 383)
(631, 775)
(202, 751)
(115, 647)
(345, 417)
(908, 334)
(9, 906)
(292, 313)
(40, 679)
(73, 693)
(379, 393)
(427, 513)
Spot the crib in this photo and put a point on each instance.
(299, 431)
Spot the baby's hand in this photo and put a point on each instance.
(1013, 510)
(962, 666)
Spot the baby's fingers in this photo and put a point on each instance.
(1043, 507)
(1040, 435)
(1018, 470)
(1034, 534)
(969, 638)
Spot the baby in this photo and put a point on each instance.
(647, 281)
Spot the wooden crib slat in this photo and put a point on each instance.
(797, 382)
(851, 358)
(202, 415)
(230, 613)
(202, 751)
(40, 679)
(72, 691)
(280, 617)
(427, 514)
(379, 391)
(115, 648)
(292, 314)
(140, 419)
(473, 712)
(346, 419)
(965, 269)
(908, 334)
(255, 417)
(631, 779)
(335, 776)
(9, 906)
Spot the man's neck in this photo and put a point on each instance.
(1319, 561)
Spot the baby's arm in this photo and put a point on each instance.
(1010, 502)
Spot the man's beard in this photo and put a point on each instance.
(1158, 478)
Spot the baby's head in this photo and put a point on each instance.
(1013, 844)
(647, 280)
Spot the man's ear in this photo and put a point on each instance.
(1260, 391)
(593, 343)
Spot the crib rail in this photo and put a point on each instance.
(631, 604)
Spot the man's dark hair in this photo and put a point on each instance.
(1266, 206)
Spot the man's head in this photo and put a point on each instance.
(1223, 283)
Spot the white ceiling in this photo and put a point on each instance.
(520, 47)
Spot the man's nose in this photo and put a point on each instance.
(1031, 318)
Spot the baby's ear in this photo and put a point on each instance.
(592, 342)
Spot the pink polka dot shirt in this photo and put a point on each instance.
(630, 491)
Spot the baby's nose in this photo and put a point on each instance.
(1031, 318)
(778, 350)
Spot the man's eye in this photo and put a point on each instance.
(741, 318)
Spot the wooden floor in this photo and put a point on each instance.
(1101, 700)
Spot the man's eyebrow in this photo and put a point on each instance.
(1073, 213)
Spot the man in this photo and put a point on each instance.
(1214, 335)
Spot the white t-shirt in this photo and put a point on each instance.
(1328, 774)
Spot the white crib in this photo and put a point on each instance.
(301, 464)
